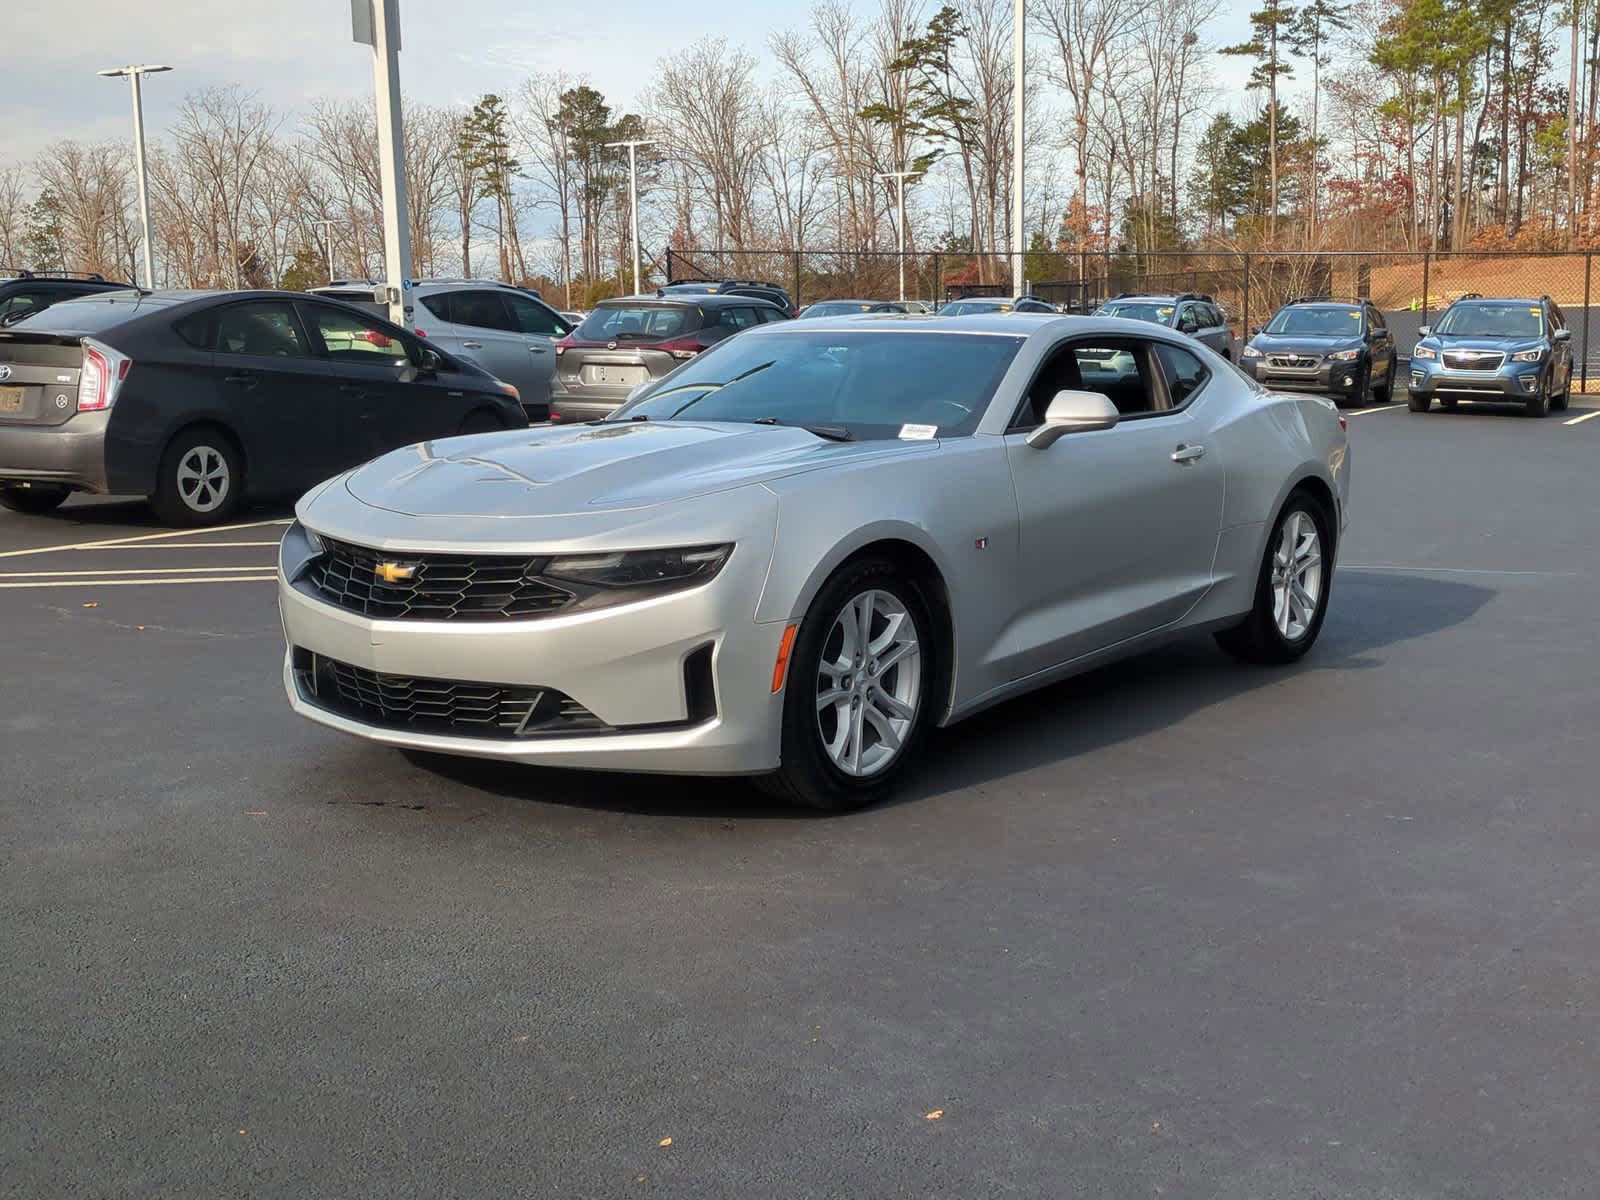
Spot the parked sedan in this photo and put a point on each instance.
(971, 306)
(849, 308)
(628, 342)
(810, 546)
(196, 399)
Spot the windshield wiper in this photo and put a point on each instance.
(834, 433)
(709, 388)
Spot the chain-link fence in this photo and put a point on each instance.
(1408, 288)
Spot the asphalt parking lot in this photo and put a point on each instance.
(1177, 928)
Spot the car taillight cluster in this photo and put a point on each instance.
(683, 347)
(102, 374)
(373, 338)
(563, 345)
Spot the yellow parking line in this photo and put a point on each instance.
(143, 537)
(106, 571)
(99, 582)
(1588, 416)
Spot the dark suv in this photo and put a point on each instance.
(1341, 348)
(1192, 313)
(733, 287)
(630, 341)
(23, 293)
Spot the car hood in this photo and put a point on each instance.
(1303, 343)
(595, 468)
(1507, 345)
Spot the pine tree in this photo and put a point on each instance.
(486, 148)
(1271, 24)
(1308, 38)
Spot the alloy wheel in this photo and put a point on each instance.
(1296, 575)
(203, 479)
(869, 683)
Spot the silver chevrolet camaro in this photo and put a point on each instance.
(810, 545)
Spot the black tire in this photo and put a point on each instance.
(1419, 401)
(1385, 393)
(1258, 638)
(200, 480)
(1559, 403)
(808, 776)
(1538, 404)
(480, 420)
(1359, 398)
(35, 499)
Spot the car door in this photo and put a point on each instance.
(483, 332)
(1213, 329)
(274, 391)
(1382, 341)
(1117, 528)
(540, 326)
(371, 365)
(1561, 351)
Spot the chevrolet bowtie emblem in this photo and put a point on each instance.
(393, 572)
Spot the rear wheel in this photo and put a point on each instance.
(480, 421)
(862, 685)
(1559, 403)
(200, 479)
(1291, 588)
(34, 499)
(1384, 393)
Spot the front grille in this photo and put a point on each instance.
(1473, 360)
(442, 705)
(440, 587)
(1296, 362)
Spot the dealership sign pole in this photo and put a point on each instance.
(134, 75)
(376, 23)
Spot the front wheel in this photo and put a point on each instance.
(1291, 589)
(1418, 401)
(1538, 404)
(863, 682)
(35, 499)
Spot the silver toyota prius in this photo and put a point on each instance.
(809, 546)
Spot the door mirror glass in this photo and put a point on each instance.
(428, 361)
(1424, 330)
(1561, 335)
(1254, 329)
(1073, 412)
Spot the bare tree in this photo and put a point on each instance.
(13, 217)
(546, 147)
(91, 187)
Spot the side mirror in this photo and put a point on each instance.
(1254, 329)
(1561, 335)
(1188, 325)
(431, 362)
(1424, 330)
(1073, 412)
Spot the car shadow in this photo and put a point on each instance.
(1119, 702)
(135, 513)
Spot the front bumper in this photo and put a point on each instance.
(1511, 382)
(1327, 378)
(629, 666)
(72, 453)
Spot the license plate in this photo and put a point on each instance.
(10, 399)
(609, 373)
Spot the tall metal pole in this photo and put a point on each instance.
(134, 76)
(900, 178)
(1019, 124)
(385, 42)
(633, 199)
(327, 236)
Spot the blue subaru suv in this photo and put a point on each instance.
(1341, 348)
(1505, 351)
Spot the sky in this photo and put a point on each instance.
(291, 52)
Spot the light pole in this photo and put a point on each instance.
(1019, 123)
(134, 74)
(900, 178)
(633, 198)
(376, 23)
(327, 236)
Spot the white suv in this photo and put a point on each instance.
(508, 331)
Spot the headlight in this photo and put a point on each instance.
(640, 569)
(1249, 352)
(1422, 351)
(1344, 356)
(1533, 355)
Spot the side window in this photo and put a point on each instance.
(1184, 373)
(1119, 370)
(530, 316)
(267, 328)
(734, 319)
(353, 337)
(1375, 319)
(1214, 316)
(1558, 319)
(438, 305)
(481, 310)
(769, 315)
(1189, 320)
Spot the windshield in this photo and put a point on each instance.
(871, 383)
(1511, 319)
(966, 308)
(1160, 314)
(1323, 320)
(637, 323)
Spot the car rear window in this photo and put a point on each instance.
(85, 315)
(638, 322)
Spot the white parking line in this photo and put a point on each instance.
(186, 545)
(106, 571)
(1362, 412)
(1588, 416)
(143, 537)
(101, 582)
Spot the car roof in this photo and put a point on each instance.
(849, 300)
(1498, 300)
(679, 299)
(1010, 324)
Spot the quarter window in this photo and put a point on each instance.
(532, 317)
(266, 328)
(1184, 373)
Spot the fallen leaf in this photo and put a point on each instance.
(664, 1142)
(936, 1114)
(140, 628)
(91, 604)
(519, 1037)
(241, 1131)
(255, 812)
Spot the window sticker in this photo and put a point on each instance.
(918, 433)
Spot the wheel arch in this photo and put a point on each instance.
(212, 425)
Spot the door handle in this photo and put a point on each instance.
(245, 379)
(537, 350)
(1188, 454)
(472, 345)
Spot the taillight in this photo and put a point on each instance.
(102, 374)
(373, 338)
(1343, 423)
(683, 347)
(562, 345)
(422, 333)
